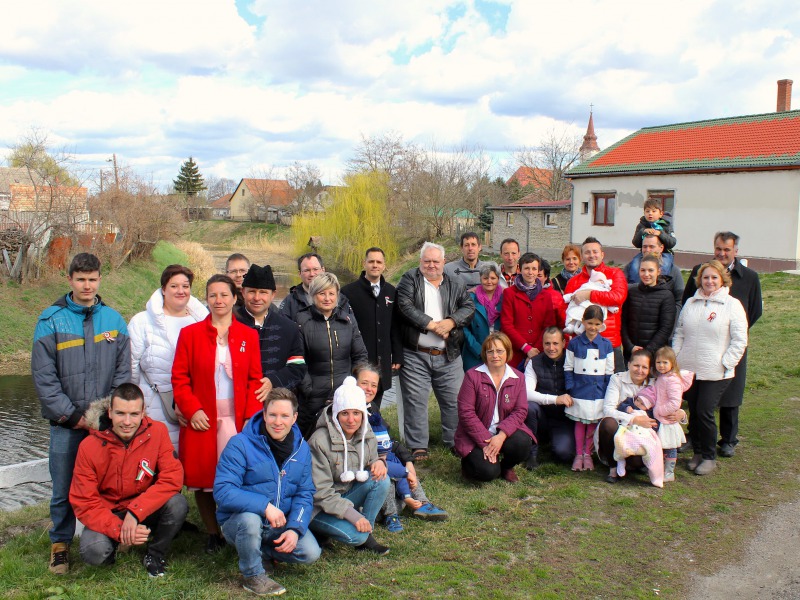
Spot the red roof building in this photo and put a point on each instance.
(739, 174)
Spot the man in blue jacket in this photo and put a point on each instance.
(81, 352)
(265, 494)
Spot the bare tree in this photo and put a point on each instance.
(45, 197)
(262, 187)
(141, 215)
(548, 162)
(218, 187)
(305, 180)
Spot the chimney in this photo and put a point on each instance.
(784, 95)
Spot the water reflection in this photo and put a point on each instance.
(25, 437)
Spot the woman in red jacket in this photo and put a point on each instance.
(215, 377)
(527, 312)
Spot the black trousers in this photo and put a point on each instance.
(703, 399)
(515, 449)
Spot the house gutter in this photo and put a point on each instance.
(527, 230)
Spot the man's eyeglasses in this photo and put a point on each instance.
(236, 272)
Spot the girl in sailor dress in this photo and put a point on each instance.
(588, 368)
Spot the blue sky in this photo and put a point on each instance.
(247, 85)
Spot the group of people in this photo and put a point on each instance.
(271, 415)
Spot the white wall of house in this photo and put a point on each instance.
(762, 207)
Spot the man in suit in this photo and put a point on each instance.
(746, 288)
(372, 300)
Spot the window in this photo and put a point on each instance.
(667, 198)
(604, 208)
(509, 219)
(550, 220)
(242, 191)
(584, 208)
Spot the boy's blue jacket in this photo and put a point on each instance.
(248, 478)
(80, 353)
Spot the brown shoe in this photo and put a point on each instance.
(509, 475)
(59, 558)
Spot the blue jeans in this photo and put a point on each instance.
(63, 451)
(254, 539)
(367, 498)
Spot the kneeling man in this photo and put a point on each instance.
(127, 482)
(265, 494)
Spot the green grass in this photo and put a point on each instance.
(225, 233)
(556, 534)
(126, 289)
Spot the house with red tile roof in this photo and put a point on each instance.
(221, 207)
(541, 226)
(261, 200)
(739, 174)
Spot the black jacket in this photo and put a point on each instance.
(648, 316)
(332, 348)
(297, 300)
(549, 374)
(281, 348)
(375, 319)
(456, 304)
(746, 289)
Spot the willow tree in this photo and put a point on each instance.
(355, 219)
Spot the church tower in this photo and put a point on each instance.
(589, 147)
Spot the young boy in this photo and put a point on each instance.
(654, 222)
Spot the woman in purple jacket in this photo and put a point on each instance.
(491, 436)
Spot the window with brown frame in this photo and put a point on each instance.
(666, 197)
(604, 208)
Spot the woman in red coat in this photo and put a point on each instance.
(215, 377)
(527, 312)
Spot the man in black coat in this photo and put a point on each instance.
(279, 337)
(372, 300)
(746, 287)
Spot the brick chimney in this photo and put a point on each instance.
(784, 95)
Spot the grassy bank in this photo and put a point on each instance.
(126, 289)
(557, 534)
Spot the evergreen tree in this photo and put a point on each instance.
(486, 218)
(189, 180)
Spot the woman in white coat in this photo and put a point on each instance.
(710, 340)
(154, 335)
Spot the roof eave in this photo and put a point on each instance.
(684, 171)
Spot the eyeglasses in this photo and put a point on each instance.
(236, 272)
(307, 271)
(496, 351)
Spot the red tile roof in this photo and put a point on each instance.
(222, 202)
(528, 204)
(738, 143)
(279, 190)
(530, 176)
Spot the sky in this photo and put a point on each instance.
(248, 85)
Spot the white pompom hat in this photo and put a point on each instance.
(349, 396)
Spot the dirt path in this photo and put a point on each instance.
(770, 567)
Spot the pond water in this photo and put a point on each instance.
(25, 437)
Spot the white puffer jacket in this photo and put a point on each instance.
(152, 352)
(711, 336)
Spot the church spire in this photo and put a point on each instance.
(589, 147)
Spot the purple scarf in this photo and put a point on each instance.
(490, 304)
(530, 290)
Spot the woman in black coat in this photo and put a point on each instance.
(648, 315)
(333, 346)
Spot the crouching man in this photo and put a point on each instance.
(265, 494)
(127, 483)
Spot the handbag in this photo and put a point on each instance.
(167, 400)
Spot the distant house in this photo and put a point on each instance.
(29, 203)
(261, 200)
(740, 174)
(221, 207)
(539, 226)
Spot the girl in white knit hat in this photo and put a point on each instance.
(349, 476)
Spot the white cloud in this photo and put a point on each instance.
(155, 81)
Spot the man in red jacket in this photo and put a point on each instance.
(127, 484)
(593, 255)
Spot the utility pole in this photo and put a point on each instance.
(116, 174)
